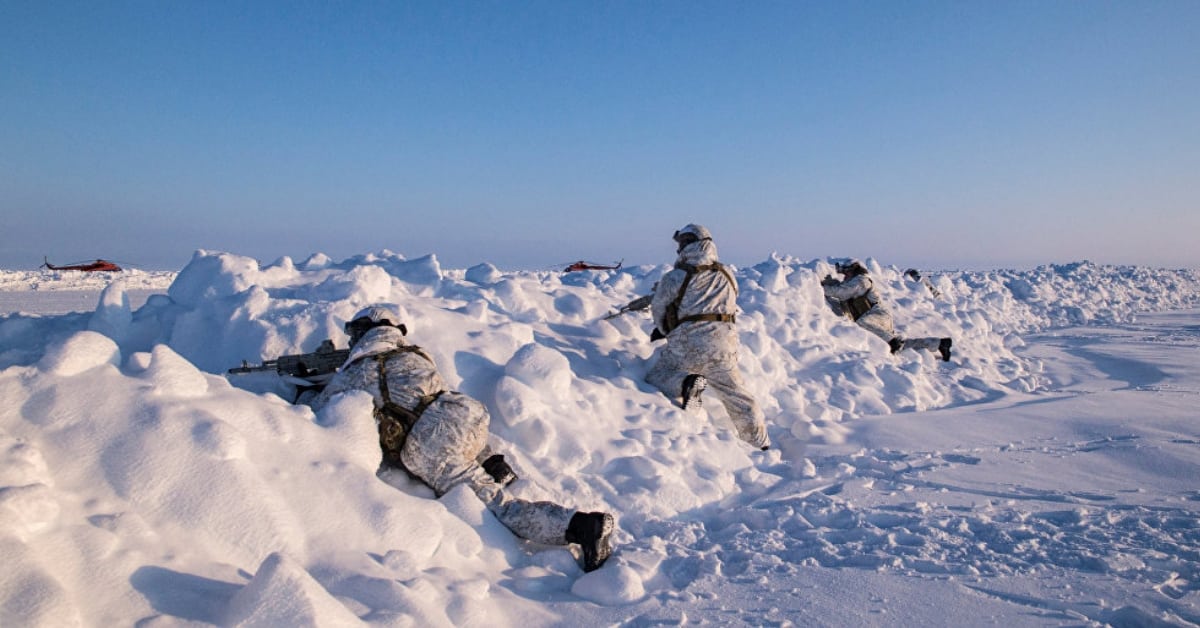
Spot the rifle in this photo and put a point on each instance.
(314, 368)
(636, 305)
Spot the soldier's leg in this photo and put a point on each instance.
(442, 451)
(541, 521)
(668, 373)
(940, 346)
(880, 324)
(442, 446)
(926, 344)
(743, 410)
(720, 360)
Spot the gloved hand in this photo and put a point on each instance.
(829, 281)
(656, 335)
(499, 470)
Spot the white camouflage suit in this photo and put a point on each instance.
(877, 319)
(707, 348)
(449, 442)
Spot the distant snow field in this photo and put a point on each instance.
(60, 292)
(1046, 475)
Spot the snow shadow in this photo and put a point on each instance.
(24, 338)
(186, 596)
(1135, 373)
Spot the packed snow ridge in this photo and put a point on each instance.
(128, 455)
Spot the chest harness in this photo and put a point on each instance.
(394, 420)
(671, 315)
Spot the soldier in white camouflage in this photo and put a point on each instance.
(694, 308)
(440, 436)
(859, 300)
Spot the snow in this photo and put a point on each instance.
(1046, 475)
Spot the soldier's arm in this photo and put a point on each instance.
(664, 293)
(845, 290)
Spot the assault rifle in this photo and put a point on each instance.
(314, 368)
(636, 305)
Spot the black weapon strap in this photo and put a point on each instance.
(672, 314)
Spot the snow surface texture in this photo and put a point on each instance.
(1017, 484)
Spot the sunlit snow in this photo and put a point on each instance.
(1045, 475)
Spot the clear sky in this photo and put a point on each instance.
(528, 134)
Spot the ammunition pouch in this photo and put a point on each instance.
(857, 306)
(395, 422)
(671, 317)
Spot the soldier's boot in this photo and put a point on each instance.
(592, 531)
(693, 386)
(497, 467)
(944, 349)
(896, 344)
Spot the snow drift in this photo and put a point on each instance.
(129, 459)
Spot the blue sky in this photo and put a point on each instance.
(529, 134)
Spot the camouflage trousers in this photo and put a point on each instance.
(710, 348)
(442, 450)
(880, 323)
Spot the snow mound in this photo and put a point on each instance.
(283, 594)
(610, 587)
(79, 353)
(124, 440)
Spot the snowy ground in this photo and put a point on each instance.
(1045, 476)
